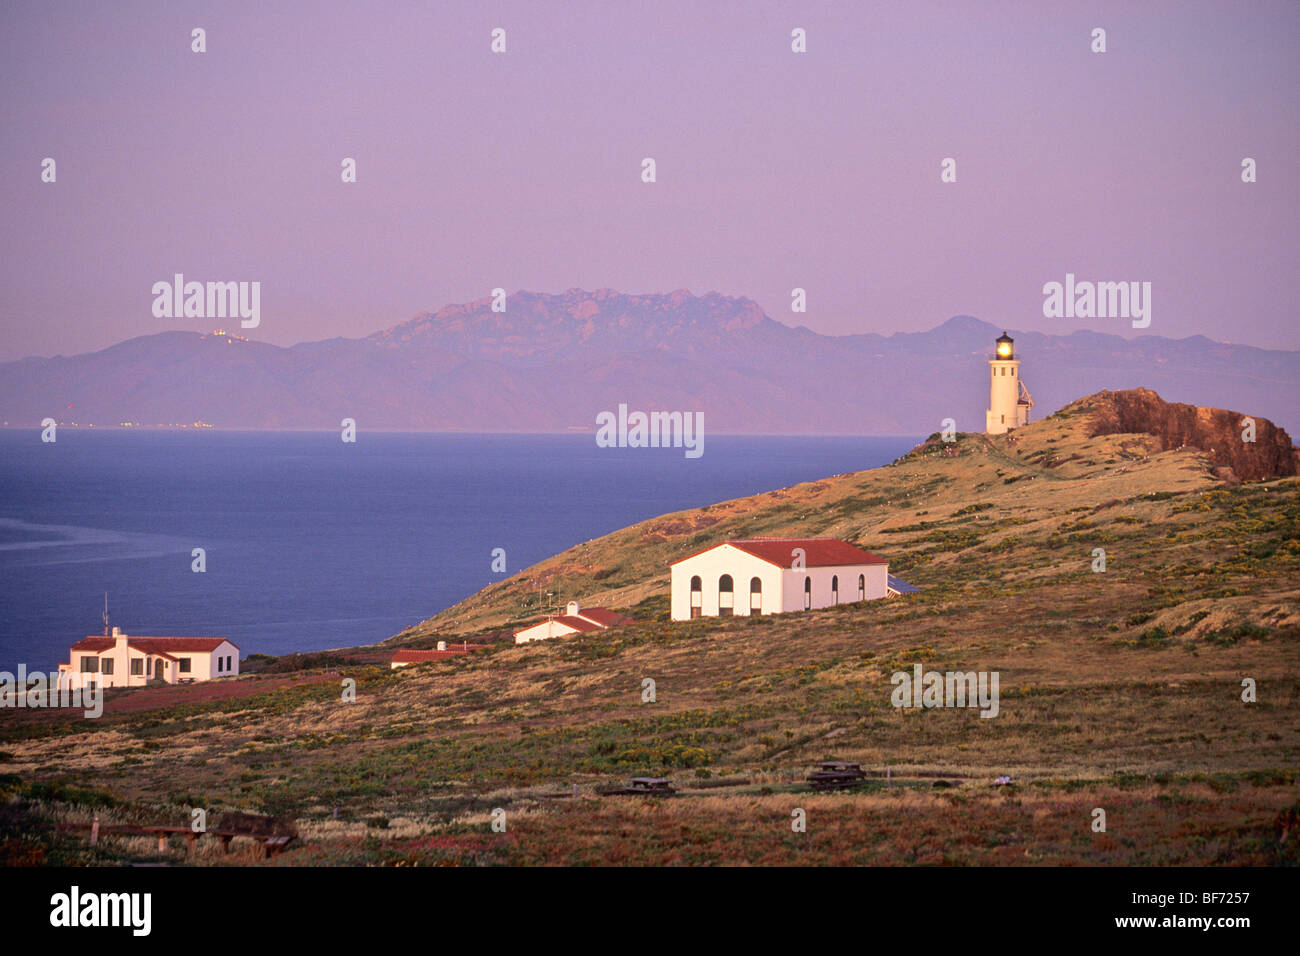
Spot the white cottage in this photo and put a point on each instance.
(575, 620)
(774, 575)
(119, 660)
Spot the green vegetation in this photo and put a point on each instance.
(1119, 688)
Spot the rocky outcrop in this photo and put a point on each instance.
(1215, 431)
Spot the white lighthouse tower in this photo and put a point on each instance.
(1009, 400)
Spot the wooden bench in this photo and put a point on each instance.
(271, 843)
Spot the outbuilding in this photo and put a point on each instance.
(575, 620)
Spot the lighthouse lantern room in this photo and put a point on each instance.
(1009, 400)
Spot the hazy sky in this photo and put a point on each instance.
(775, 169)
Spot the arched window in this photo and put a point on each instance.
(807, 594)
(835, 589)
(862, 587)
(697, 596)
(726, 596)
(755, 595)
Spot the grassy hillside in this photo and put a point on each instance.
(1119, 690)
(982, 511)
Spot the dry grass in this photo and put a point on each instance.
(1119, 690)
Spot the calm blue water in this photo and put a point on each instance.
(312, 543)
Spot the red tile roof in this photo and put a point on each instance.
(154, 645)
(577, 623)
(408, 656)
(604, 616)
(818, 552)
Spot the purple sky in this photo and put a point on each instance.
(775, 170)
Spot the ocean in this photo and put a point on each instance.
(312, 543)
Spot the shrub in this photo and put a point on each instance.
(1228, 636)
(1151, 639)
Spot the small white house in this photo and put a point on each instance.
(119, 660)
(574, 620)
(775, 575)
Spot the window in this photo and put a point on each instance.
(697, 596)
(184, 665)
(835, 589)
(807, 594)
(228, 667)
(862, 587)
(756, 595)
(89, 665)
(137, 666)
(221, 663)
(106, 667)
(726, 596)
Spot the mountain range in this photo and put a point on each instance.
(552, 362)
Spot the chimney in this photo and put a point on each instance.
(442, 645)
(572, 610)
(119, 641)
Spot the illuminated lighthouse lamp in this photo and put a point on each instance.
(1009, 400)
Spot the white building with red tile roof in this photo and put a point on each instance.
(120, 660)
(575, 620)
(773, 576)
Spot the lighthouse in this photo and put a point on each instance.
(1009, 400)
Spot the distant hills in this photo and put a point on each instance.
(552, 362)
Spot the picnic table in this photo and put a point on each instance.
(641, 786)
(836, 775)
